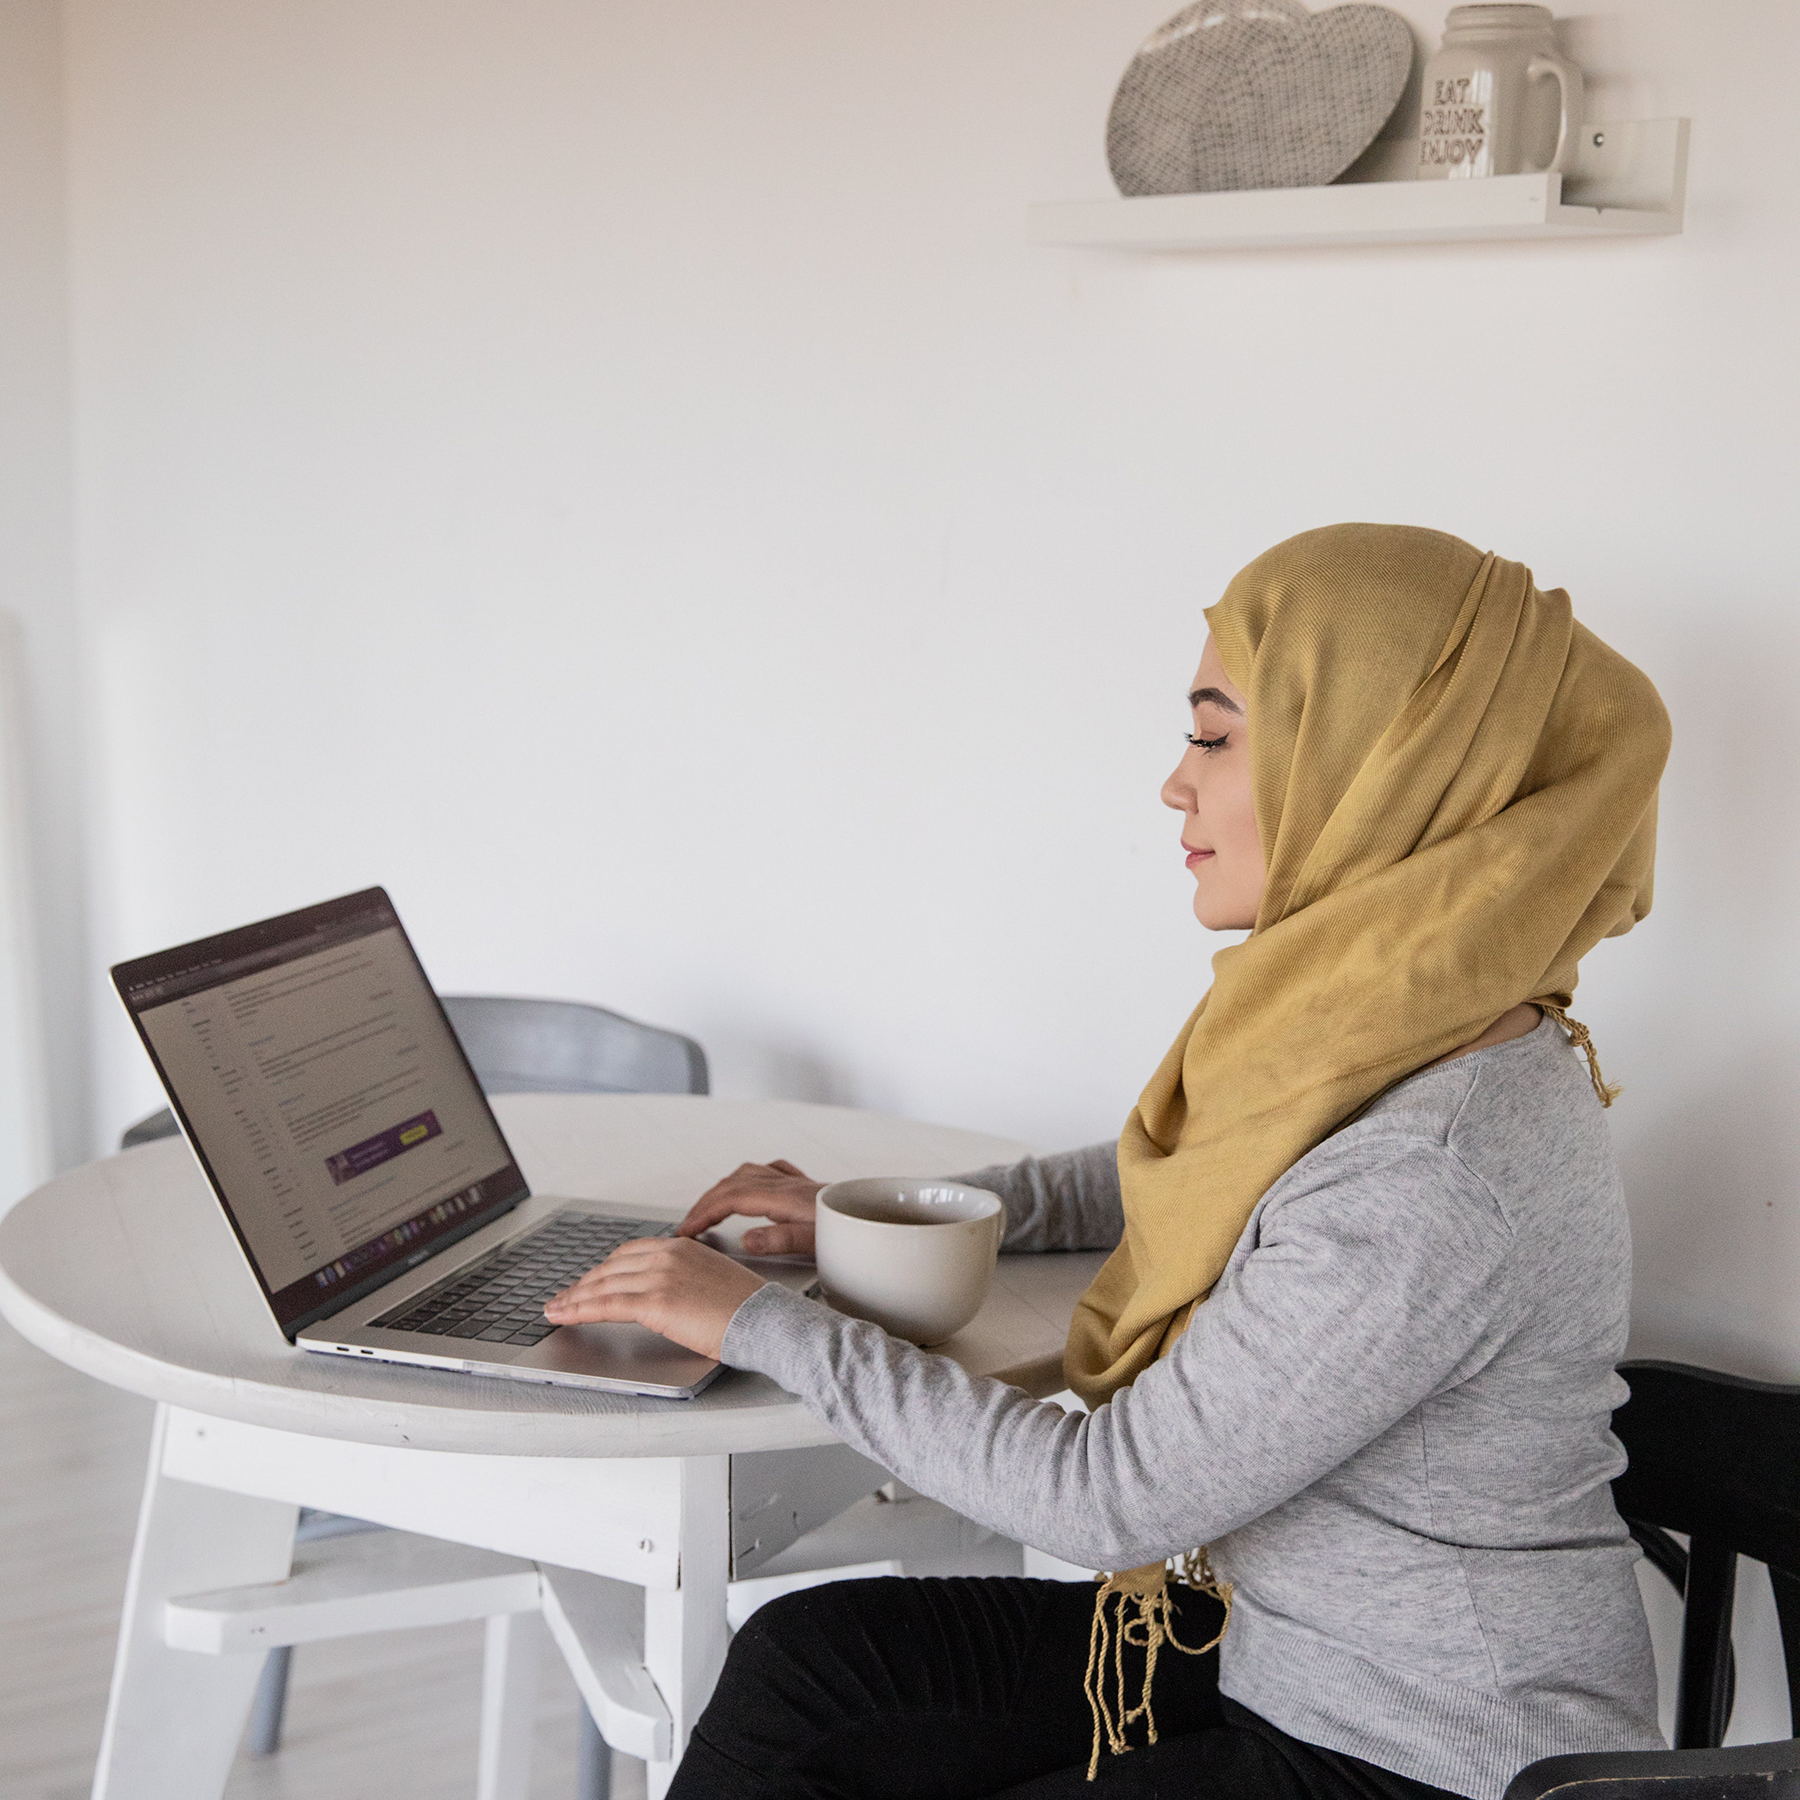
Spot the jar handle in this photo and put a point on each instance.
(1568, 92)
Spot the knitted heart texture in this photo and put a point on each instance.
(1256, 94)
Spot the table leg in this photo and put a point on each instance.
(174, 1718)
(685, 1633)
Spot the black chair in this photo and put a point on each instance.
(1717, 1458)
(514, 1047)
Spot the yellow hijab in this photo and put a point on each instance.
(1455, 788)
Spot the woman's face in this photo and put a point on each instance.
(1210, 788)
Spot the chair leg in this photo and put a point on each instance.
(1703, 1692)
(593, 1761)
(263, 1737)
(1787, 1610)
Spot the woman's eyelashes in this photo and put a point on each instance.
(1204, 743)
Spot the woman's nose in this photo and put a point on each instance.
(1178, 790)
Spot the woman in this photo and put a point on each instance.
(1357, 1339)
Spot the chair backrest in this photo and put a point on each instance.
(563, 1047)
(1717, 1457)
(544, 1047)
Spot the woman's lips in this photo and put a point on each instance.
(1195, 857)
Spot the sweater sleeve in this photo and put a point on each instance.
(1069, 1201)
(1364, 1293)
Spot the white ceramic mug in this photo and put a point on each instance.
(1495, 95)
(913, 1255)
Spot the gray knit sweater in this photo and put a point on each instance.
(1390, 1423)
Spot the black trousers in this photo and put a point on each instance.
(901, 1689)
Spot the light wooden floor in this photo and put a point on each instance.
(389, 1717)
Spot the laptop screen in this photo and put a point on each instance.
(326, 1097)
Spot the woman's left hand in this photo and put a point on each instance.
(675, 1286)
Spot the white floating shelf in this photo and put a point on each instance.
(1630, 180)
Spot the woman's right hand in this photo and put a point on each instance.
(776, 1191)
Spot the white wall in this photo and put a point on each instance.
(44, 1045)
(616, 474)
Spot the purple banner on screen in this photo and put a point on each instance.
(371, 1153)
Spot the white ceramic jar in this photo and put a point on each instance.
(1499, 98)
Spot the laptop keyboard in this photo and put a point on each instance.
(500, 1299)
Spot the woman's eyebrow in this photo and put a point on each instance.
(1217, 696)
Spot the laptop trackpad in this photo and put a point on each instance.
(627, 1353)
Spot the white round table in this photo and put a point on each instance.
(125, 1269)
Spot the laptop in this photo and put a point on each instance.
(326, 1098)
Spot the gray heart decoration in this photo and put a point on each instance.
(1256, 94)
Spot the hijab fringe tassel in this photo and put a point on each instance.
(1144, 1618)
(1582, 1040)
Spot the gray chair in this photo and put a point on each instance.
(543, 1047)
(514, 1047)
